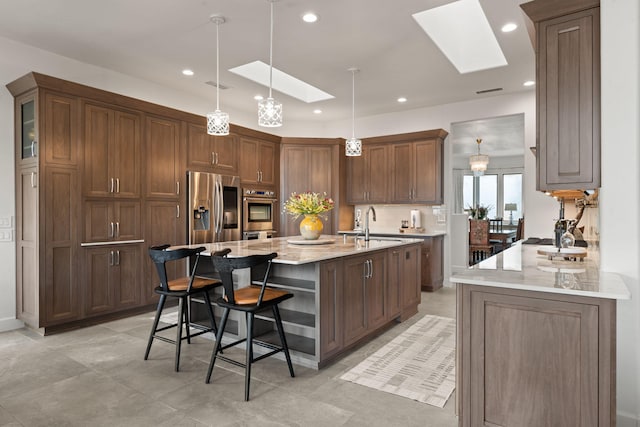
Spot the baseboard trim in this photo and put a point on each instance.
(625, 419)
(9, 324)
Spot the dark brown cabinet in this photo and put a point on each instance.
(111, 152)
(364, 294)
(112, 278)
(416, 175)
(368, 175)
(567, 94)
(534, 358)
(258, 161)
(107, 221)
(431, 264)
(209, 153)
(331, 308)
(163, 160)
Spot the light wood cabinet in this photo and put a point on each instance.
(567, 94)
(112, 273)
(111, 152)
(258, 161)
(368, 175)
(534, 358)
(208, 153)
(163, 161)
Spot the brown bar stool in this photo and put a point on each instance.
(182, 288)
(248, 299)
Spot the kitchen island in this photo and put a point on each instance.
(536, 340)
(346, 290)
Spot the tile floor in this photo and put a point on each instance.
(96, 376)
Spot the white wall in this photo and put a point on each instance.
(620, 192)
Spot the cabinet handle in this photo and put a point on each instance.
(258, 176)
(177, 187)
(34, 145)
(216, 158)
(110, 185)
(213, 158)
(117, 185)
(111, 230)
(117, 229)
(34, 182)
(111, 258)
(177, 211)
(370, 269)
(117, 257)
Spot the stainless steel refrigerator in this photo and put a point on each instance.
(214, 203)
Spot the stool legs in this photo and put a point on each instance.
(155, 325)
(247, 373)
(218, 345)
(283, 339)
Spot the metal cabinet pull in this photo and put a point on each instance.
(370, 268)
(177, 187)
(34, 181)
(177, 211)
(110, 185)
(258, 176)
(111, 258)
(118, 257)
(117, 185)
(117, 229)
(213, 158)
(34, 145)
(111, 230)
(216, 155)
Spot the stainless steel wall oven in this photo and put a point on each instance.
(259, 210)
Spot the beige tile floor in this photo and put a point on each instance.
(96, 376)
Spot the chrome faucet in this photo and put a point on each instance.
(366, 222)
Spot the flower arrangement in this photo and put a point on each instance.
(479, 212)
(308, 203)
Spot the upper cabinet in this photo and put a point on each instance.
(567, 93)
(163, 165)
(258, 162)
(111, 152)
(368, 175)
(209, 153)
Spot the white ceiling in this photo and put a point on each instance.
(501, 136)
(156, 39)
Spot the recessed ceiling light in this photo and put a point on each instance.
(310, 17)
(402, 99)
(528, 83)
(258, 98)
(187, 72)
(507, 28)
(258, 72)
(317, 111)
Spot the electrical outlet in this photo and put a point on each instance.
(6, 235)
(6, 221)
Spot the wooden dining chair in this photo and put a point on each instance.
(479, 246)
(248, 299)
(496, 226)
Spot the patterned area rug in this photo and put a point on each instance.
(418, 364)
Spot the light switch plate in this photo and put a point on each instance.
(6, 221)
(6, 235)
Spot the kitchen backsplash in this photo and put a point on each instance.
(389, 217)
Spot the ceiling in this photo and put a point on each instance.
(156, 39)
(501, 136)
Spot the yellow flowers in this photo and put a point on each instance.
(308, 203)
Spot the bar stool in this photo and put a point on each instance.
(182, 288)
(249, 300)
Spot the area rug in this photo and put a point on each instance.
(418, 364)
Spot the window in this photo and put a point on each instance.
(494, 191)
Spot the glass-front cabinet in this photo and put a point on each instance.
(27, 119)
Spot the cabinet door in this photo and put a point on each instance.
(294, 180)
(375, 291)
(394, 283)
(26, 128)
(267, 155)
(126, 276)
(331, 308)
(99, 226)
(200, 150)
(164, 224)
(428, 171)
(99, 296)
(126, 216)
(126, 155)
(27, 225)
(402, 176)
(98, 134)
(226, 154)
(357, 178)
(249, 169)
(377, 174)
(411, 280)
(60, 132)
(162, 158)
(568, 94)
(355, 322)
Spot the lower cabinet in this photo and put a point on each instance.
(534, 358)
(331, 293)
(431, 264)
(112, 278)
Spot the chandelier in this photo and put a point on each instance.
(353, 146)
(479, 161)
(217, 122)
(270, 110)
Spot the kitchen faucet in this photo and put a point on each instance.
(366, 222)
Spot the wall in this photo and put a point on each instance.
(620, 191)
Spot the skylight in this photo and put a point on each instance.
(462, 32)
(258, 72)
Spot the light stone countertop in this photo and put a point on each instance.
(520, 267)
(394, 234)
(303, 254)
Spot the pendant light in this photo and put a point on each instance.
(217, 122)
(479, 162)
(353, 145)
(270, 110)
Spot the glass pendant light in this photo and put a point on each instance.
(479, 162)
(270, 110)
(217, 122)
(353, 145)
